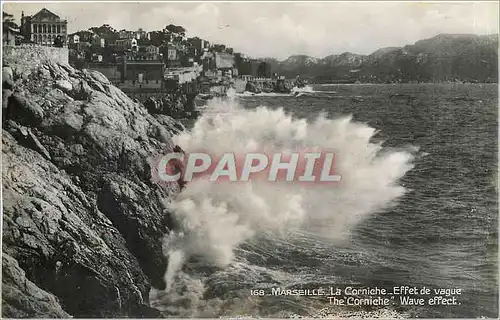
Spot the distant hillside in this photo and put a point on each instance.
(446, 57)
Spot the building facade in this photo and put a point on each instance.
(152, 52)
(73, 39)
(126, 44)
(243, 64)
(98, 41)
(224, 60)
(264, 70)
(125, 34)
(173, 55)
(44, 28)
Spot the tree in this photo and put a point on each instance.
(157, 38)
(105, 31)
(58, 42)
(85, 36)
(8, 21)
(173, 29)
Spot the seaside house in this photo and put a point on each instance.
(126, 44)
(152, 52)
(73, 39)
(224, 63)
(98, 41)
(141, 34)
(208, 64)
(125, 34)
(197, 47)
(173, 55)
(218, 48)
(82, 45)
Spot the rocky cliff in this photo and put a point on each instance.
(446, 57)
(82, 221)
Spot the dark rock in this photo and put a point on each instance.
(82, 90)
(6, 93)
(145, 311)
(126, 204)
(67, 122)
(44, 73)
(281, 87)
(47, 219)
(26, 138)
(166, 129)
(7, 78)
(21, 298)
(86, 226)
(23, 110)
(252, 87)
(152, 105)
(96, 75)
(64, 85)
(33, 142)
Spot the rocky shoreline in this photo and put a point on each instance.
(82, 222)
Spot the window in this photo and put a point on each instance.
(44, 28)
(58, 29)
(49, 28)
(53, 28)
(157, 81)
(35, 28)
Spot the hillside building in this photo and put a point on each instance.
(44, 28)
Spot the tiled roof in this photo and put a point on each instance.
(45, 13)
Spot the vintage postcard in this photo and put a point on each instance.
(256, 159)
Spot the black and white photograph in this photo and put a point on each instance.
(250, 159)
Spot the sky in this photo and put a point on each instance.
(279, 29)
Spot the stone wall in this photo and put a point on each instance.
(112, 72)
(34, 55)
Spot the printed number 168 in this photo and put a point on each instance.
(257, 292)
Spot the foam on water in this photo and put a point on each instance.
(307, 89)
(214, 219)
(262, 94)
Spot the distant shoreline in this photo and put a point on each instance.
(402, 83)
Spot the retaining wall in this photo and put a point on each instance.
(34, 55)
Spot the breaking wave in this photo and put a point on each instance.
(305, 89)
(214, 220)
(261, 94)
